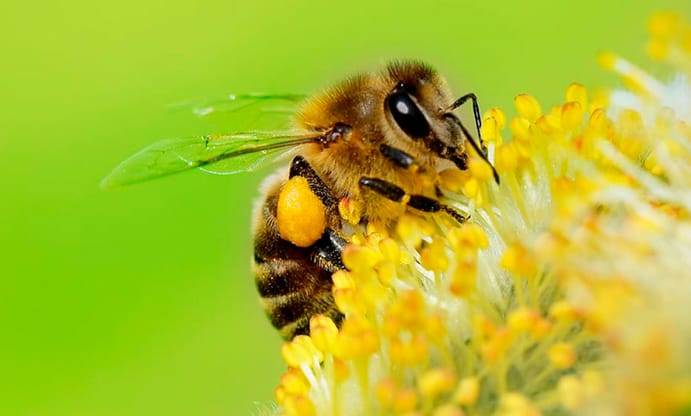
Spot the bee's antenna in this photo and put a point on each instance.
(479, 148)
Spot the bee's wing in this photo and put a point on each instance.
(244, 111)
(220, 154)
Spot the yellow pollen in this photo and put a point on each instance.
(360, 258)
(577, 93)
(506, 158)
(468, 391)
(343, 279)
(323, 332)
(523, 319)
(498, 115)
(301, 216)
(390, 250)
(564, 311)
(517, 260)
(385, 391)
(520, 127)
(357, 338)
(607, 60)
(293, 381)
(527, 107)
(570, 392)
(515, 404)
(562, 355)
(593, 383)
(571, 116)
(436, 382)
(350, 210)
(300, 351)
(453, 179)
(433, 257)
(448, 410)
(299, 405)
(480, 169)
(405, 400)
(341, 371)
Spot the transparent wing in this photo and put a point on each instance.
(220, 154)
(244, 111)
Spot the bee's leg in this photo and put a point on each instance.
(419, 202)
(397, 156)
(476, 115)
(325, 252)
(300, 167)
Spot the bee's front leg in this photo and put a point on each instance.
(419, 202)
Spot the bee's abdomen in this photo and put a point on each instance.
(292, 287)
(292, 291)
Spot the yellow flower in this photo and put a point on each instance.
(568, 290)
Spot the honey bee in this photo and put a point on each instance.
(376, 141)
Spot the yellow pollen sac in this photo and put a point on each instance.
(490, 130)
(506, 158)
(350, 210)
(519, 261)
(357, 339)
(434, 258)
(570, 392)
(515, 404)
(385, 391)
(562, 355)
(342, 279)
(593, 383)
(349, 301)
(571, 116)
(480, 169)
(390, 250)
(405, 400)
(607, 60)
(360, 258)
(463, 279)
(435, 328)
(301, 215)
(664, 25)
(341, 371)
(564, 311)
(523, 319)
(528, 107)
(448, 410)
(409, 353)
(323, 332)
(520, 127)
(436, 382)
(299, 405)
(577, 93)
(453, 179)
(498, 115)
(300, 351)
(294, 382)
(468, 391)
(467, 235)
(541, 328)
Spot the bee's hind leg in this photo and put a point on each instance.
(419, 202)
(325, 252)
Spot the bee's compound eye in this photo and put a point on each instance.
(407, 114)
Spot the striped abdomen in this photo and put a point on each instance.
(291, 285)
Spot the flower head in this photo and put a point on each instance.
(565, 292)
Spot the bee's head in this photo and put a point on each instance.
(417, 109)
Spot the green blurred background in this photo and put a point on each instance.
(140, 301)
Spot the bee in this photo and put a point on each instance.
(376, 141)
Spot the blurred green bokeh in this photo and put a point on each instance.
(140, 301)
